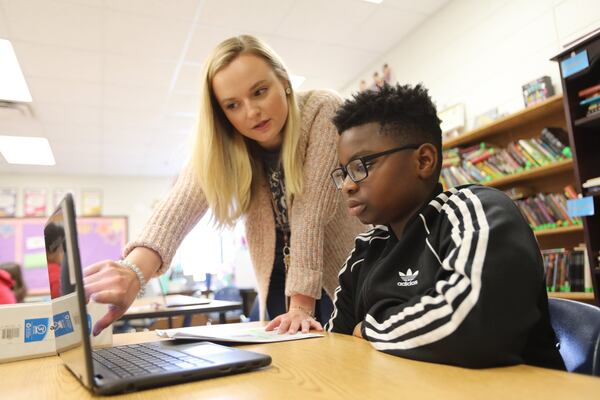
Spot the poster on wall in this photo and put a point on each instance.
(34, 202)
(8, 202)
(22, 241)
(91, 202)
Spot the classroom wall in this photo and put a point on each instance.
(129, 196)
(480, 52)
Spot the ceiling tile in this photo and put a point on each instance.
(383, 29)
(62, 113)
(136, 35)
(21, 127)
(3, 24)
(65, 92)
(74, 134)
(150, 73)
(134, 98)
(423, 6)
(188, 80)
(180, 9)
(257, 15)
(324, 21)
(55, 23)
(205, 39)
(117, 118)
(55, 62)
(186, 104)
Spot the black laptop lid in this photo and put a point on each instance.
(71, 321)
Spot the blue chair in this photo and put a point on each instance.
(577, 327)
(229, 293)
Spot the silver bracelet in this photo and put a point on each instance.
(128, 264)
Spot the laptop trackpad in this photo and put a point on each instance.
(204, 350)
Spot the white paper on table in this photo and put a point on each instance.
(224, 333)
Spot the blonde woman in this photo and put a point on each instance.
(262, 153)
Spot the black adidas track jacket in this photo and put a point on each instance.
(463, 286)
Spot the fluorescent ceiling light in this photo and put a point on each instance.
(12, 82)
(297, 81)
(374, 1)
(26, 150)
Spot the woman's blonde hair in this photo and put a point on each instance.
(223, 159)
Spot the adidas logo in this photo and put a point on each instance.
(408, 278)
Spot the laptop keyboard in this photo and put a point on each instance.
(145, 359)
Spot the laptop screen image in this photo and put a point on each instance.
(71, 320)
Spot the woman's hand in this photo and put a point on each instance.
(293, 321)
(107, 282)
(299, 317)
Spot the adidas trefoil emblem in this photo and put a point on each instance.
(409, 278)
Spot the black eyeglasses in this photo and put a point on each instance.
(358, 169)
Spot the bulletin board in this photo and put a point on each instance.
(22, 241)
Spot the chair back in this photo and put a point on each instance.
(577, 328)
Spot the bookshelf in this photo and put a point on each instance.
(580, 69)
(533, 173)
(549, 178)
(549, 109)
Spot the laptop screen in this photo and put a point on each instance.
(66, 283)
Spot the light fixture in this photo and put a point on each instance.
(12, 82)
(374, 1)
(27, 150)
(297, 81)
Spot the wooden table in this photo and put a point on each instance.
(333, 367)
(153, 307)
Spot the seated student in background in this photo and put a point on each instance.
(54, 236)
(6, 284)
(451, 277)
(19, 288)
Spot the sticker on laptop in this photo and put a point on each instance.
(62, 324)
(36, 329)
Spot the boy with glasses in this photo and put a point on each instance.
(451, 277)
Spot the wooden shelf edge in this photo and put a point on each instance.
(553, 168)
(589, 120)
(577, 296)
(559, 231)
(507, 122)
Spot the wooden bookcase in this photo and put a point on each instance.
(552, 178)
(584, 136)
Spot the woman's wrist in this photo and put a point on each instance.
(303, 303)
(147, 260)
(138, 273)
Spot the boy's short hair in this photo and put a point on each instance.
(401, 110)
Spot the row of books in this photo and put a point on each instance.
(567, 270)
(484, 162)
(590, 99)
(548, 210)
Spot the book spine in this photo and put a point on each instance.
(570, 192)
(550, 156)
(529, 161)
(542, 208)
(537, 157)
(561, 215)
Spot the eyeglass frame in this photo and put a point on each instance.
(366, 159)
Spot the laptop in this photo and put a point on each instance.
(177, 300)
(123, 368)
